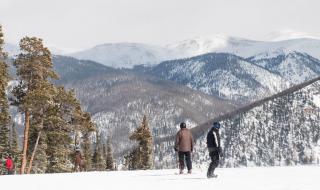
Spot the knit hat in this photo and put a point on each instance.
(183, 125)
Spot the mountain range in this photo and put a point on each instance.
(117, 100)
(128, 55)
(192, 89)
(193, 81)
(221, 74)
(236, 78)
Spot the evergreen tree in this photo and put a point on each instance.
(4, 140)
(87, 151)
(98, 160)
(141, 156)
(38, 163)
(34, 92)
(4, 106)
(109, 155)
(131, 160)
(58, 127)
(87, 127)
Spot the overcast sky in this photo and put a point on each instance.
(79, 24)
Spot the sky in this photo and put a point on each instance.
(72, 25)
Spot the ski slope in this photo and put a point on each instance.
(272, 178)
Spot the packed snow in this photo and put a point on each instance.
(273, 178)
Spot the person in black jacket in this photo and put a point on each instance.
(214, 148)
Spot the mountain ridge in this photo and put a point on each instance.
(128, 55)
(276, 131)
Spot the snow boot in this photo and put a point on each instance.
(212, 176)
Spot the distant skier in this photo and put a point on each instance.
(80, 162)
(184, 146)
(9, 165)
(214, 148)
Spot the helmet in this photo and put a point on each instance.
(183, 125)
(216, 125)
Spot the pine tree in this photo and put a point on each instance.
(86, 127)
(38, 163)
(87, 151)
(58, 127)
(131, 160)
(4, 140)
(35, 91)
(109, 155)
(98, 160)
(141, 156)
(4, 106)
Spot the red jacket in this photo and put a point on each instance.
(9, 164)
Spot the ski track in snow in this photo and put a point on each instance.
(272, 178)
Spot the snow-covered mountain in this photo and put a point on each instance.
(117, 100)
(237, 78)
(281, 130)
(208, 44)
(221, 74)
(128, 55)
(243, 47)
(125, 55)
(294, 66)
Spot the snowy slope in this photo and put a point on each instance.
(117, 100)
(275, 178)
(221, 74)
(125, 55)
(281, 131)
(243, 47)
(294, 66)
(215, 43)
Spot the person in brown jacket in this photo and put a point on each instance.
(184, 146)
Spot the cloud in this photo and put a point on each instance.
(78, 24)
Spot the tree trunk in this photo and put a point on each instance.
(33, 153)
(25, 142)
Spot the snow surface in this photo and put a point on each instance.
(273, 178)
(316, 100)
